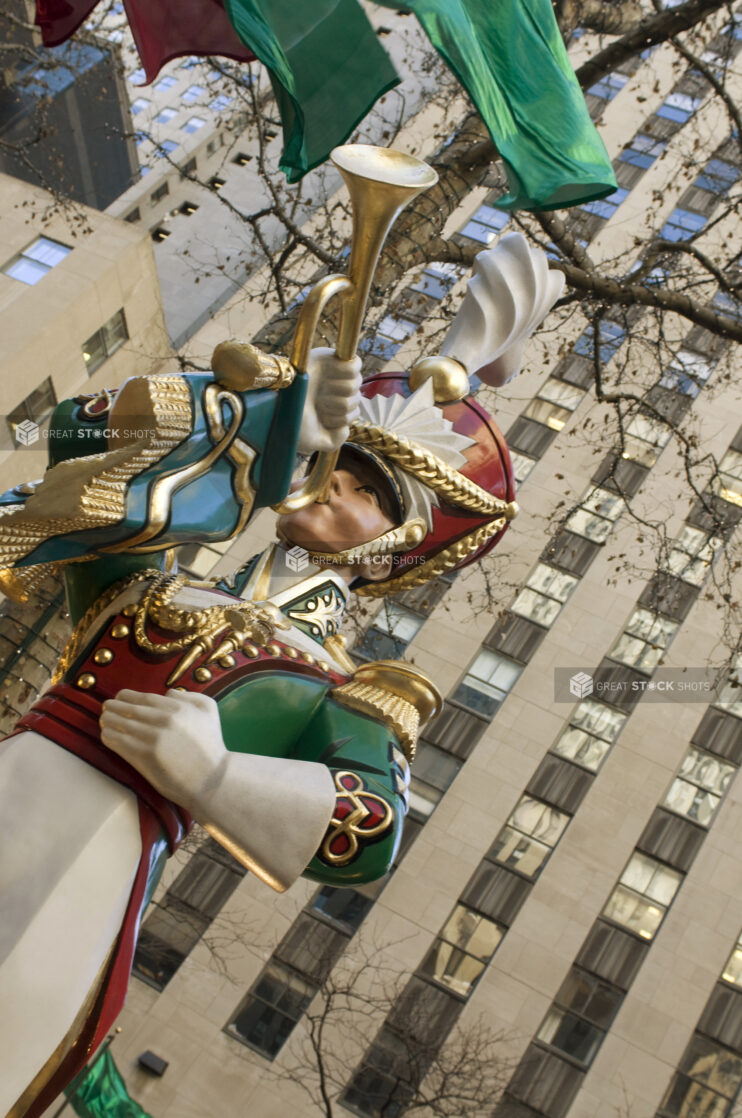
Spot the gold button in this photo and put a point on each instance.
(203, 675)
(118, 632)
(273, 650)
(323, 665)
(130, 610)
(251, 651)
(308, 657)
(291, 653)
(103, 656)
(227, 661)
(86, 681)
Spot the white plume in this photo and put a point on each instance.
(509, 294)
(417, 418)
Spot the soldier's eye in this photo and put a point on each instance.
(370, 489)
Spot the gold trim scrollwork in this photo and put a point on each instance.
(396, 694)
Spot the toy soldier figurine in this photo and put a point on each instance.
(239, 707)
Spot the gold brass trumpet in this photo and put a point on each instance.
(381, 182)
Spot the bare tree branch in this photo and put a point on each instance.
(651, 31)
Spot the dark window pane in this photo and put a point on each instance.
(346, 907)
(587, 996)
(570, 1034)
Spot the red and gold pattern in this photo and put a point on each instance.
(360, 817)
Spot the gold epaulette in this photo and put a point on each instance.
(397, 694)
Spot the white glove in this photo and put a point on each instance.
(174, 741)
(506, 299)
(333, 395)
(269, 812)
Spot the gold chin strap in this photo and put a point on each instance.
(446, 482)
(404, 538)
(444, 561)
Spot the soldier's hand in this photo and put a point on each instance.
(332, 402)
(174, 741)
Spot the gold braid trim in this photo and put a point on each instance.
(393, 692)
(396, 712)
(88, 619)
(196, 630)
(444, 561)
(97, 482)
(432, 471)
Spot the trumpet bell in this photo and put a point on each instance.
(383, 165)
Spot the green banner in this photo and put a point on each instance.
(510, 58)
(100, 1092)
(327, 69)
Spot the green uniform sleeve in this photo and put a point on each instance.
(371, 777)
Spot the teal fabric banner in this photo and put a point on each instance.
(327, 69)
(100, 1092)
(510, 58)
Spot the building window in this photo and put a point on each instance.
(728, 483)
(166, 147)
(597, 514)
(609, 86)
(529, 836)
(270, 1011)
(697, 790)
(105, 342)
(467, 942)
(544, 594)
(192, 94)
(391, 332)
(220, 103)
(438, 279)
(681, 225)
(134, 215)
(692, 554)
(718, 177)
(434, 771)
(139, 105)
(487, 683)
(592, 730)
(217, 183)
(733, 970)
(706, 1084)
(165, 116)
(194, 124)
(644, 439)
(555, 402)
(187, 209)
(161, 192)
(522, 465)
(642, 151)
(582, 1012)
(35, 408)
(242, 159)
(611, 335)
(606, 207)
(137, 77)
(166, 82)
(643, 895)
(35, 261)
(391, 632)
(189, 168)
(344, 908)
(644, 639)
(678, 107)
(160, 234)
(731, 694)
(687, 373)
(485, 224)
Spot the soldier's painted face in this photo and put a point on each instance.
(357, 511)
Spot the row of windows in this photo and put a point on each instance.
(95, 351)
